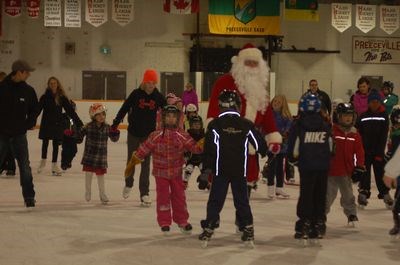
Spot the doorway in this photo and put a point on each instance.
(172, 82)
(104, 85)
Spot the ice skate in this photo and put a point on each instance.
(165, 230)
(314, 237)
(351, 220)
(125, 192)
(248, 236)
(88, 196)
(362, 200)
(10, 173)
(280, 193)
(102, 190)
(186, 229)
(206, 236)
(387, 199)
(270, 192)
(30, 204)
(55, 170)
(395, 231)
(145, 201)
(302, 229)
(41, 166)
(104, 199)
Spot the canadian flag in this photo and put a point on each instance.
(181, 6)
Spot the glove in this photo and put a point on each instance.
(202, 179)
(378, 158)
(115, 123)
(274, 148)
(68, 132)
(358, 174)
(114, 132)
(131, 165)
(200, 143)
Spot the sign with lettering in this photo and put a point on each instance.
(52, 13)
(96, 12)
(341, 16)
(365, 17)
(33, 7)
(72, 13)
(376, 50)
(389, 21)
(12, 7)
(122, 11)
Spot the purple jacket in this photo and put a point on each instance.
(190, 97)
(360, 102)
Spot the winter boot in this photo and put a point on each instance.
(42, 164)
(102, 189)
(55, 170)
(88, 186)
(281, 193)
(270, 192)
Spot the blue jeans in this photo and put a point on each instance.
(19, 147)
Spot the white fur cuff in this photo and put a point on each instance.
(274, 137)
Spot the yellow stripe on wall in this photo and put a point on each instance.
(305, 15)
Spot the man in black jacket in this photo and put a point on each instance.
(225, 156)
(142, 105)
(323, 97)
(18, 113)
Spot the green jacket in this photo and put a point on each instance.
(390, 101)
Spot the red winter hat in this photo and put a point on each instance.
(150, 75)
(248, 52)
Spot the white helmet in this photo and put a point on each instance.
(190, 108)
(96, 108)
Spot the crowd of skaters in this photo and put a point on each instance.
(313, 140)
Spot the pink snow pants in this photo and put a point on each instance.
(171, 197)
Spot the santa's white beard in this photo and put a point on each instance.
(252, 82)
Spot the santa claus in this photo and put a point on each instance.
(249, 76)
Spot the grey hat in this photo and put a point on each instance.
(21, 65)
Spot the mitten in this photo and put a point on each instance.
(358, 174)
(131, 165)
(274, 148)
(202, 179)
(68, 132)
(114, 132)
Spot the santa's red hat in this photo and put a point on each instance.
(248, 52)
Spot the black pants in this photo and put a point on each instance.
(9, 161)
(216, 200)
(68, 152)
(144, 182)
(365, 183)
(275, 170)
(45, 145)
(312, 200)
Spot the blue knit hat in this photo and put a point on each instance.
(374, 95)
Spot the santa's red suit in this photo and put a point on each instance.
(263, 120)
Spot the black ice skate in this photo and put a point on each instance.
(30, 203)
(186, 229)
(206, 236)
(314, 236)
(165, 230)
(248, 236)
(395, 231)
(362, 200)
(387, 199)
(302, 229)
(351, 220)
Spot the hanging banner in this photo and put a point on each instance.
(376, 50)
(122, 11)
(96, 12)
(306, 10)
(389, 18)
(341, 16)
(12, 7)
(72, 13)
(244, 17)
(52, 13)
(32, 7)
(365, 17)
(181, 6)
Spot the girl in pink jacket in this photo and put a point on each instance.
(167, 146)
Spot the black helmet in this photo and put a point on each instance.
(345, 108)
(195, 119)
(395, 116)
(170, 109)
(388, 84)
(229, 99)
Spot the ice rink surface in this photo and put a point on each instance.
(65, 229)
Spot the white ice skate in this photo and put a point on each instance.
(270, 192)
(41, 166)
(146, 201)
(104, 199)
(125, 192)
(55, 170)
(280, 193)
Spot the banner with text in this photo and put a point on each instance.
(341, 16)
(32, 7)
(12, 7)
(52, 13)
(389, 18)
(244, 17)
(72, 13)
(122, 11)
(376, 50)
(365, 17)
(96, 12)
(306, 10)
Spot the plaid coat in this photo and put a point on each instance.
(167, 147)
(95, 153)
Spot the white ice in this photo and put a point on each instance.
(65, 229)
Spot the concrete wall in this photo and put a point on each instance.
(136, 47)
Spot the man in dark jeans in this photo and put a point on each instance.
(142, 105)
(18, 113)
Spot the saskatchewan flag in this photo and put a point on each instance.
(244, 17)
(306, 10)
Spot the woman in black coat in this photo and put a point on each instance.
(52, 102)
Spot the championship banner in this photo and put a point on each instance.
(122, 11)
(181, 6)
(12, 7)
(96, 12)
(376, 50)
(244, 17)
(341, 16)
(389, 18)
(32, 7)
(52, 13)
(72, 13)
(365, 17)
(306, 10)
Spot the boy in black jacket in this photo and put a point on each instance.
(225, 155)
(373, 126)
(309, 147)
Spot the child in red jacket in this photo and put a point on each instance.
(167, 146)
(342, 167)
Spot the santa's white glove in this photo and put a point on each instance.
(252, 150)
(274, 148)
